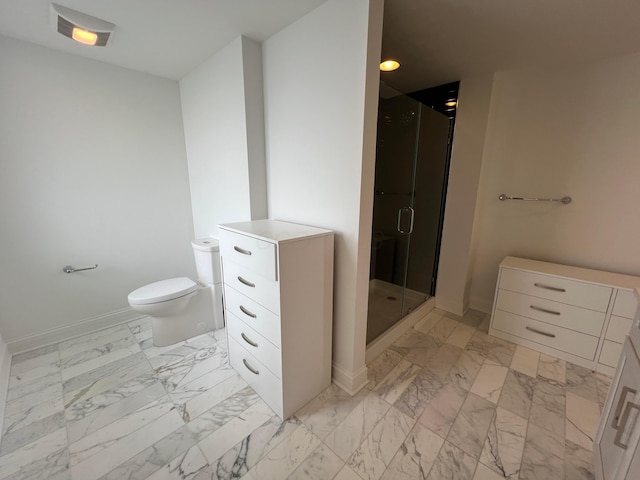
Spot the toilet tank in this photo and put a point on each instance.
(207, 255)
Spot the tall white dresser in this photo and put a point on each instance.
(577, 314)
(278, 300)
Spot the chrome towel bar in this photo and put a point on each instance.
(70, 269)
(565, 200)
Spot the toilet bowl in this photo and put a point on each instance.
(181, 308)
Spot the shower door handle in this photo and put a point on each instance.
(401, 212)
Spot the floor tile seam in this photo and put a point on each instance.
(198, 378)
(120, 438)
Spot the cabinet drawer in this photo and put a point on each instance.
(587, 295)
(610, 353)
(548, 311)
(626, 304)
(265, 322)
(265, 383)
(256, 255)
(569, 341)
(259, 289)
(618, 328)
(261, 348)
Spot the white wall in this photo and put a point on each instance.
(562, 132)
(464, 175)
(223, 111)
(319, 170)
(93, 170)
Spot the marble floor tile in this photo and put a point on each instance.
(416, 456)
(548, 406)
(517, 393)
(419, 393)
(578, 462)
(452, 463)
(603, 382)
(375, 453)
(347, 474)
(474, 318)
(470, 427)
(552, 368)
(443, 328)
(110, 405)
(525, 361)
(429, 321)
(350, 433)
(582, 420)
(442, 362)
(395, 383)
(461, 336)
(443, 409)
(234, 430)
(41, 448)
(325, 412)
(381, 366)
(321, 464)
(106, 414)
(489, 381)
(15, 439)
(420, 353)
(464, 371)
(185, 466)
(504, 444)
(241, 458)
(287, 456)
(543, 456)
(582, 381)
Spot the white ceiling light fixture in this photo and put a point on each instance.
(80, 27)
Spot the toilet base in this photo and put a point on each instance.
(202, 314)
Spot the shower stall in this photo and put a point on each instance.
(412, 162)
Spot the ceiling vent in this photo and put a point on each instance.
(80, 27)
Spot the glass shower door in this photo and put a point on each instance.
(393, 212)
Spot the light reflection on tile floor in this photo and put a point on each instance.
(446, 401)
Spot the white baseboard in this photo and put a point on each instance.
(66, 332)
(387, 339)
(5, 370)
(350, 382)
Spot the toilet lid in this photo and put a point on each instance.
(162, 291)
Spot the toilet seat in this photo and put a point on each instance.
(162, 291)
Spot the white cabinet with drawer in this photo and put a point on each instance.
(278, 297)
(577, 314)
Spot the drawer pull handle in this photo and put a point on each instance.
(625, 418)
(246, 282)
(247, 312)
(248, 340)
(623, 398)
(549, 287)
(249, 367)
(546, 334)
(540, 309)
(242, 250)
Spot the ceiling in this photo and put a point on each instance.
(440, 41)
(168, 38)
(437, 41)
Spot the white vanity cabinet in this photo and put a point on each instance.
(617, 445)
(577, 314)
(278, 299)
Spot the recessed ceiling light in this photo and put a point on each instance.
(451, 103)
(389, 66)
(80, 27)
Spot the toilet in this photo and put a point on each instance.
(181, 308)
